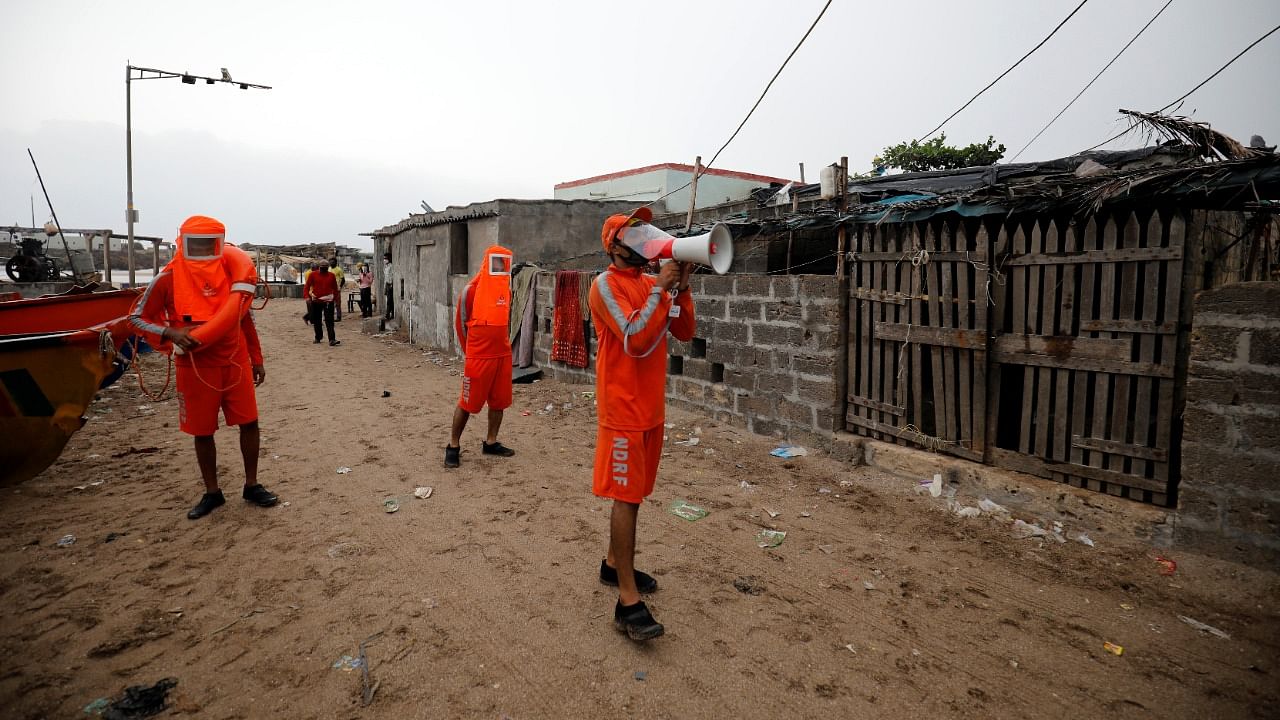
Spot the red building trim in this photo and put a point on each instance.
(752, 177)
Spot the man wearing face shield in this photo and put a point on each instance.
(197, 309)
(632, 312)
(481, 320)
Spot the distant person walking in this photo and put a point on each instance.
(321, 290)
(365, 282)
(341, 277)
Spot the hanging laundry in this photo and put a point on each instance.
(569, 341)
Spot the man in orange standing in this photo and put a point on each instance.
(632, 313)
(198, 309)
(481, 320)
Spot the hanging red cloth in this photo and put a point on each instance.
(569, 342)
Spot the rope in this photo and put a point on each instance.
(137, 369)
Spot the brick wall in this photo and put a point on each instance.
(764, 356)
(1229, 496)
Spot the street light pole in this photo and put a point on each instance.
(131, 214)
(128, 152)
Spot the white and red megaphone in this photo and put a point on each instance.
(713, 249)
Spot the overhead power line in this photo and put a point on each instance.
(1006, 72)
(753, 107)
(1188, 93)
(1091, 82)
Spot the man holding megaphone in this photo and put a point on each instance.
(632, 313)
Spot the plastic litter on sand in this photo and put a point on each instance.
(390, 505)
(1113, 648)
(346, 663)
(770, 538)
(1204, 628)
(422, 493)
(687, 511)
(66, 540)
(344, 470)
(788, 451)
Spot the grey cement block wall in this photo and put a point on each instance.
(763, 357)
(1229, 496)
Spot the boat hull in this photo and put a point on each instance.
(46, 384)
(61, 313)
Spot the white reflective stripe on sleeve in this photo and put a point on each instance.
(135, 317)
(244, 287)
(639, 318)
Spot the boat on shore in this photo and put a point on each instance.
(56, 353)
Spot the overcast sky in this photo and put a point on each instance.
(379, 105)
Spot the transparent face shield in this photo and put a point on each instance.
(645, 240)
(202, 247)
(499, 264)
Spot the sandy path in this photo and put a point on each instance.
(486, 592)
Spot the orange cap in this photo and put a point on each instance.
(614, 223)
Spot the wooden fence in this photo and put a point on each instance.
(1049, 345)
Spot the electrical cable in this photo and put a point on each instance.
(1006, 72)
(753, 107)
(1091, 82)
(1187, 94)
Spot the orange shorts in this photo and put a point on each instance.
(203, 391)
(486, 381)
(626, 463)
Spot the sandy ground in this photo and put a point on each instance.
(878, 603)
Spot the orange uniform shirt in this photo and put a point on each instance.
(631, 315)
(479, 339)
(156, 310)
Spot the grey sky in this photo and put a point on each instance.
(378, 105)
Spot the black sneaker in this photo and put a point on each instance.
(496, 449)
(645, 582)
(451, 459)
(317, 341)
(259, 495)
(636, 621)
(333, 342)
(206, 505)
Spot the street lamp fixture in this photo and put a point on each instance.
(140, 73)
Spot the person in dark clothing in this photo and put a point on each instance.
(388, 286)
(321, 290)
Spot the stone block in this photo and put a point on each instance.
(710, 308)
(1242, 472)
(736, 333)
(1214, 390)
(1215, 344)
(697, 369)
(755, 360)
(1207, 427)
(819, 286)
(777, 336)
(753, 285)
(760, 404)
(721, 396)
(776, 383)
(813, 364)
(691, 391)
(745, 310)
(1264, 346)
(821, 314)
(1251, 516)
(818, 339)
(677, 347)
(1204, 507)
(721, 352)
(825, 419)
(717, 285)
(1251, 298)
(787, 311)
(761, 426)
(1261, 432)
(817, 392)
(739, 380)
(1254, 388)
(797, 413)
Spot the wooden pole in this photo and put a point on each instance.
(801, 173)
(106, 256)
(841, 404)
(155, 259)
(843, 194)
(693, 193)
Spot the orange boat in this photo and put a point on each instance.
(56, 352)
(46, 383)
(75, 309)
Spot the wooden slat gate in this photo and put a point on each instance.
(917, 335)
(1056, 357)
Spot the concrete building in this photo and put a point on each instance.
(641, 185)
(434, 253)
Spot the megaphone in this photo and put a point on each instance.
(713, 249)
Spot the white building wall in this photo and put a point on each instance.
(645, 187)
